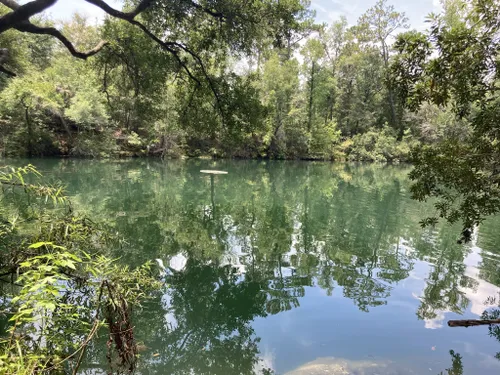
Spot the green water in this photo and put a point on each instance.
(300, 268)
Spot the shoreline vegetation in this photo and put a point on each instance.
(296, 90)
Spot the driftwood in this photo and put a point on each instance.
(472, 322)
(210, 171)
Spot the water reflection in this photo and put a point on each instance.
(457, 368)
(340, 366)
(205, 327)
(266, 239)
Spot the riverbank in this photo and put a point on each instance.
(373, 146)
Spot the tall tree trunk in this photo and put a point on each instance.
(259, 61)
(29, 126)
(331, 98)
(385, 56)
(393, 109)
(288, 49)
(273, 147)
(311, 90)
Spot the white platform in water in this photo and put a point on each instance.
(212, 171)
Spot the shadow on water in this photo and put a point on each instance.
(275, 241)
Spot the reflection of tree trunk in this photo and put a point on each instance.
(305, 224)
(383, 227)
(311, 90)
(212, 195)
(397, 248)
(280, 272)
(252, 223)
(181, 346)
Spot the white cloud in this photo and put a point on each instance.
(476, 295)
(435, 323)
(266, 361)
(438, 7)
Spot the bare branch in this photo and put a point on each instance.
(128, 16)
(472, 322)
(19, 19)
(22, 13)
(27, 26)
(207, 77)
(169, 46)
(219, 15)
(6, 71)
(10, 4)
(52, 31)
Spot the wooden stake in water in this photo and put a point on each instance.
(212, 173)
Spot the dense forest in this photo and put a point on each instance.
(284, 87)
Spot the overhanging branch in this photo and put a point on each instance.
(22, 13)
(171, 47)
(207, 77)
(34, 29)
(6, 71)
(27, 26)
(19, 19)
(212, 13)
(128, 16)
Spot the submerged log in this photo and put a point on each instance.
(472, 322)
(210, 171)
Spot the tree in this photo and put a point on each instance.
(171, 79)
(192, 27)
(226, 16)
(280, 81)
(377, 25)
(312, 52)
(334, 40)
(461, 171)
(19, 19)
(191, 63)
(52, 102)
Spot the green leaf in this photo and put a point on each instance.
(39, 244)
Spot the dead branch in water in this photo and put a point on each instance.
(472, 322)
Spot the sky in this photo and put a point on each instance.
(331, 10)
(326, 10)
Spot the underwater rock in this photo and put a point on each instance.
(340, 366)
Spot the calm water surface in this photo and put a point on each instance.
(292, 268)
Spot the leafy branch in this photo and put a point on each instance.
(15, 177)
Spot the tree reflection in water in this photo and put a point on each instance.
(269, 233)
